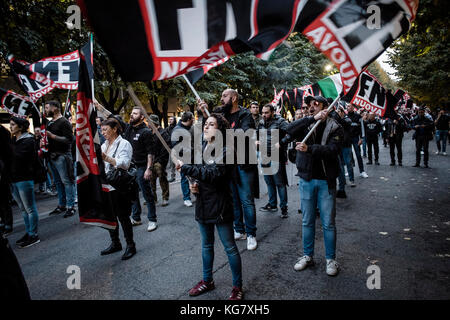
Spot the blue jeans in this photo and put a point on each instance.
(225, 231)
(364, 146)
(185, 187)
(441, 135)
(358, 154)
(146, 188)
(244, 203)
(275, 182)
(315, 194)
(64, 185)
(23, 193)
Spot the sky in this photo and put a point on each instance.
(382, 60)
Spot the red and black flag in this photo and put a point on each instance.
(94, 200)
(368, 93)
(155, 40)
(353, 33)
(35, 84)
(19, 106)
(195, 75)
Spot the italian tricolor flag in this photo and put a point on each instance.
(331, 86)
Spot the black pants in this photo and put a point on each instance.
(5, 206)
(422, 142)
(372, 142)
(122, 204)
(396, 142)
(12, 282)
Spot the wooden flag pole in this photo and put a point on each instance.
(194, 91)
(155, 130)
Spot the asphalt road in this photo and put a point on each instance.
(398, 219)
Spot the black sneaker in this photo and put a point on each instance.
(341, 194)
(32, 240)
(377, 163)
(23, 239)
(58, 210)
(393, 164)
(400, 164)
(70, 212)
(284, 212)
(7, 230)
(416, 165)
(369, 162)
(299, 211)
(268, 208)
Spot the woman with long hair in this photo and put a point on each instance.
(214, 205)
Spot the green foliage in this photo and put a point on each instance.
(421, 57)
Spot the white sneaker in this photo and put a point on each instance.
(352, 184)
(151, 226)
(188, 203)
(437, 152)
(251, 243)
(421, 152)
(303, 262)
(444, 153)
(239, 236)
(134, 222)
(363, 175)
(332, 267)
(165, 203)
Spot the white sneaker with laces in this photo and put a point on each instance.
(151, 226)
(251, 243)
(134, 222)
(239, 236)
(188, 203)
(165, 203)
(363, 175)
(437, 152)
(303, 262)
(444, 153)
(332, 267)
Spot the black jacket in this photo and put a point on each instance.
(5, 154)
(355, 131)
(346, 124)
(23, 159)
(276, 123)
(372, 129)
(423, 132)
(327, 152)
(161, 154)
(396, 129)
(214, 202)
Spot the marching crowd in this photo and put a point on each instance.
(224, 193)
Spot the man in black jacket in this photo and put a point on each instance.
(6, 217)
(277, 180)
(357, 137)
(395, 129)
(245, 184)
(372, 129)
(318, 167)
(423, 135)
(140, 137)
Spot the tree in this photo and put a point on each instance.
(421, 57)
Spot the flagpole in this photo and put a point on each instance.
(194, 91)
(319, 121)
(67, 99)
(91, 40)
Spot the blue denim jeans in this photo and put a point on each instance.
(23, 193)
(275, 182)
(146, 188)
(185, 187)
(64, 186)
(441, 136)
(225, 231)
(358, 154)
(364, 146)
(244, 203)
(315, 194)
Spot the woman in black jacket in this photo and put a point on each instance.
(24, 157)
(214, 205)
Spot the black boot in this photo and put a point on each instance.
(129, 252)
(114, 247)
